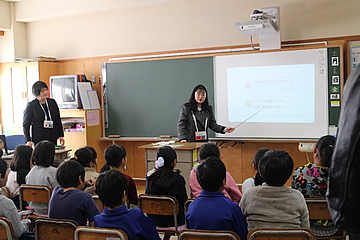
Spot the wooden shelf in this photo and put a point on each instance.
(72, 113)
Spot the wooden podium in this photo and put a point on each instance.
(186, 157)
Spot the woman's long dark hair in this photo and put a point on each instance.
(325, 147)
(193, 102)
(258, 180)
(164, 177)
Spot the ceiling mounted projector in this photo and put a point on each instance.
(264, 22)
(257, 27)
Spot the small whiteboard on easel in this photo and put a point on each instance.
(93, 99)
(83, 88)
(88, 96)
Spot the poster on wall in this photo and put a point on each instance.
(354, 54)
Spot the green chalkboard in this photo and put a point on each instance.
(144, 98)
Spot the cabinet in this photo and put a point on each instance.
(91, 119)
(16, 90)
(186, 157)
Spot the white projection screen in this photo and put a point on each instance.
(273, 95)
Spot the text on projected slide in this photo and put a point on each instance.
(287, 90)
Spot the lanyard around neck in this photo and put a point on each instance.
(48, 109)
(197, 129)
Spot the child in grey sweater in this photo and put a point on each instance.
(272, 204)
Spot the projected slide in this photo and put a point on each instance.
(283, 94)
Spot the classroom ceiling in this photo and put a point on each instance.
(37, 10)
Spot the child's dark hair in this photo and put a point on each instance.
(325, 147)
(276, 167)
(43, 154)
(84, 156)
(92, 150)
(67, 174)
(114, 154)
(209, 150)
(258, 180)
(211, 174)
(105, 185)
(164, 176)
(21, 158)
(3, 168)
(192, 101)
(105, 168)
(37, 86)
(1, 152)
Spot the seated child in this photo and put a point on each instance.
(274, 205)
(20, 167)
(87, 158)
(115, 214)
(231, 190)
(257, 180)
(8, 208)
(69, 201)
(311, 181)
(212, 210)
(42, 173)
(115, 157)
(164, 180)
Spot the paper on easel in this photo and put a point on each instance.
(83, 87)
(93, 99)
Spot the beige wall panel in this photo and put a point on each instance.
(187, 24)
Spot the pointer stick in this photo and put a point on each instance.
(250, 117)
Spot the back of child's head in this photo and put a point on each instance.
(21, 158)
(325, 147)
(92, 150)
(276, 167)
(3, 168)
(165, 156)
(67, 174)
(164, 176)
(258, 155)
(211, 173)
(43, 154)
(110, 187)
(209, 150)
(258, 180)
(114, 154)
(84, 156)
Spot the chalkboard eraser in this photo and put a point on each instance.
(165, 136)
(114, 136)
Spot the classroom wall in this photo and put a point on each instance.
(177, 25)
(4, 16)
(13, 44)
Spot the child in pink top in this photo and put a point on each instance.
(231, 190)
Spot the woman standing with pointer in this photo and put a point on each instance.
(196, 116)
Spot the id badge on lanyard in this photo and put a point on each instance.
(47, 123)
(200, 135)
